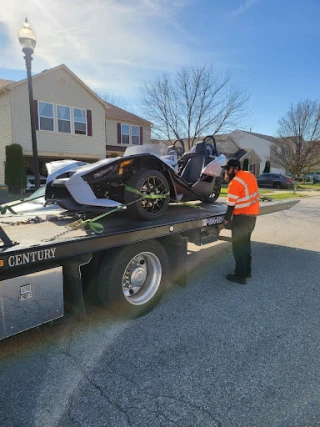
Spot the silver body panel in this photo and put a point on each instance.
(30, 300)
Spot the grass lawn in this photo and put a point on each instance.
(308, 187)
(282, 196)
(224, 191)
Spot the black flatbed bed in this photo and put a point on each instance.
(119, 229)
(46, 269)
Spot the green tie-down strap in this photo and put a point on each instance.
(4, 209)
(96, 227)
(147, 196)
(159, 196)
(9, 206)
(91, 224)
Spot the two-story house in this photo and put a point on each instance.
(72, 122)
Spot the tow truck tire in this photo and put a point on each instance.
(148, 182)
(133, 280)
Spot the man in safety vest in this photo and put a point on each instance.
(243, 208)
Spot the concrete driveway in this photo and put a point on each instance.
(212, 354)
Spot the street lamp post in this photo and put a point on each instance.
(27, 39)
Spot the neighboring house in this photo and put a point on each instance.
(124, 129)
(71, 120)
(263, 145)
(248, 157)
(278, 165)
(226, 145)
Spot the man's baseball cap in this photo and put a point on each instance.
(234, 163)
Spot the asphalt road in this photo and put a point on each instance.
(211, 354)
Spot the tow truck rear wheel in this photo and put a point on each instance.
(133, 280)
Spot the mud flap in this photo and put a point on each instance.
(73, 287)
(176, 248)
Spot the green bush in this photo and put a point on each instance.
(15, 172)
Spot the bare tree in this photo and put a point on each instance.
(297, 149)
(118, 101)
(193, 102)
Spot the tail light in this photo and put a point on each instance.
(289, 180)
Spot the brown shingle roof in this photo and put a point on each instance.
(116, 113)
(4, 83)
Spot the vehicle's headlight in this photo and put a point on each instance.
(103, 172)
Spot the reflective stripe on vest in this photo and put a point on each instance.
(243, 202)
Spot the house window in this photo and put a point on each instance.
(46, 117)
(125, 134)
(64, 119)
(135, 130)
(80, 121)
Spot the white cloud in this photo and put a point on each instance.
(113, 44)
(243, 7)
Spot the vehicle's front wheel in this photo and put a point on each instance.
(133, 279)
(155, 187)
(216, 191)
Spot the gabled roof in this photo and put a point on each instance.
(116, 113)
(251, 150)
(225, 143)
(4, 83)
(240, 153)
(260, 135)
(112, 112)
(12, 85)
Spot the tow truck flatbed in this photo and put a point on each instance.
(32, 253)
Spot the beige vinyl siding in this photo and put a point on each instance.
(147, 134)
(5, 131)
(112, 133)
(59, 88)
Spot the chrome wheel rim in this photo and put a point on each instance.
(141, 278)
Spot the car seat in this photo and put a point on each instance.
(192, 170)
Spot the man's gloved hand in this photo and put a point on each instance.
(227, 224)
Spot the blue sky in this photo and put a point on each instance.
(271, 47)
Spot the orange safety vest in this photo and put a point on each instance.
(243, 194)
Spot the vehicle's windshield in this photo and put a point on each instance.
(155, 149)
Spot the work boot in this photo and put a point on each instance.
(249, 275)
(236, 279)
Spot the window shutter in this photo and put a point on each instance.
(141, 135)
(35, 113)
(89, 122)
(119, 132)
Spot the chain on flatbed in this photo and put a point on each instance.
(92, 225)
